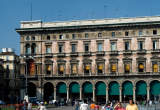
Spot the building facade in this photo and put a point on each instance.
(99, 60)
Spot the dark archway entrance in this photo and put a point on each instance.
(87, 89)
(114, 91)
(74, 90)
(127, 91)
(61, 92)
(31, 90)
(155, 90)
(141, 91)
(48, 91)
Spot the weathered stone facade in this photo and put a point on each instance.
(122, 52)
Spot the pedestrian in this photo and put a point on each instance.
(131, 105)
(42, 107)
(119, 106)
(92, 106)
(76, 105)
(97, 107)
(29, 106)
(108, 107)
(24, 105)
(84, 106)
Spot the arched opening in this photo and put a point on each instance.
(141, 91)
(100, 92)
(155, 90)
(127, 91)
(33, 48)
(28, 49)
(87, 89)
(74, 90)
(114, 91)
(61, 92)
(31, 90)
(48, 92)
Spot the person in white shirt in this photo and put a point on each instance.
(84, 106)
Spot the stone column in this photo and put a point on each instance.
(134, 94)
(67, 93)
(94, 93)
(148, 93)
(80, 95)
(107, 94)
(55, 94)
(120, 94)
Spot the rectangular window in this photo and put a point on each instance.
(60, 36)
(86, 35)
(113, 34)
(127, 68)
(154, 32)
(140, 67)
(73, 36)
(87, 69)
(74, 68)
(48, 49)
(100, 68)
(113, 46)
(155, 67)
(73, 47)
(113, 68)
(48, 69)
(100, 35)
(140, 45)
(127, 46)
(60, 48)
(140, 33)
(99, 46)
(61, 69)
(154, 45)
(126, 33)
(86, 47)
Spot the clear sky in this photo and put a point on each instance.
(14, 11)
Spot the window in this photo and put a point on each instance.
(48, 69)
(140, 45)
(33, 37)
(155, 67)
(155, 44)
(140, 33)
(73, 47)
(99, 46)
(73, 36)
(60, 48)
(87, 69)
(126, 33)
(60, 69)
(154, 32)
(27, 38)
(113, 46)
(74, 68)
(48, 49)
(140, 67)
(33, 48)
(99, 35)
(28, 49)
(127, 67)
(126, 45)
(48, 37)
(113, 68)
(7, 57)
(86, 47)
(86, 35)
(100, 68)
(60, 36)
(113, 34)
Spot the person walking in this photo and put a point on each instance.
(84, 106)
(131, 105)
(76, 105)
(119, 106)
(92, 106)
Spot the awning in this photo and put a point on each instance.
(62, 88)
(155, 88)
(74, 88)
(87, 88)
(114, 88)
(141, 88)
(100, 88)
(127, 88)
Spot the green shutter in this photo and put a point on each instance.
(74, 88)
(62, 88)
(87, 88)
(114, 88)
(141, 88)
(127, 88)
(155, 88)
(100, 88)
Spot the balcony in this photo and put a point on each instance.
(127, 52)
(74, 54)
(155, 51)
(48, 55)
(143, 51)
(87, 54)
(115, 52)
(61, 54)
(100, 53)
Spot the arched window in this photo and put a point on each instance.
(33, 48)
(27, 38)
(28, 49)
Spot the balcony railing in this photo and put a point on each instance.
(48, 55)
(74, 54)
(87, 54)
(155, 51)
(115, 52)
(127, 52)
(100, 53)
(61, 54)
(143, 51)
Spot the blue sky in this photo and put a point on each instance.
(14, 11)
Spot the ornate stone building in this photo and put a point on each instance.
(99, 60)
